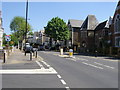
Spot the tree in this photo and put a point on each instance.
(18, 26)
(4, 41)
(57, 29)
(30, 33)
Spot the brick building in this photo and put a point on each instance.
(102, 42)
(74, 27)
(115, 32)
(87, 34)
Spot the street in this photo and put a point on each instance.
(55, 71)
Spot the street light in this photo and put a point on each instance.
(26, 22)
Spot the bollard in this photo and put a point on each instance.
(33, 53)
(36, 54)
(71, 53)
(25, 53)
(95, 53)
(30, 55)
(4, 58)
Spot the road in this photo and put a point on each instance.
(55, 71)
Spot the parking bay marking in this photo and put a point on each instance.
(92, 65)
(104, 65)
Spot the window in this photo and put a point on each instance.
(90, 34)
(117, 23)
(117, 41)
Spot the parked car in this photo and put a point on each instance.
(41, 47)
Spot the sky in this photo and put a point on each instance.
(41, 12)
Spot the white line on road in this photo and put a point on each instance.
(104, 65)
(67, 88)
(29, 71)
(59, 76)
(83, 59)
(39, 64)
(92, 65)
(45, 63)
(63, 82)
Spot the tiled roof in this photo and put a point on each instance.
(90, 22)
(75, 23)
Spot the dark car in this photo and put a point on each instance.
(41, 47)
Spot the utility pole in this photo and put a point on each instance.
(26, 22)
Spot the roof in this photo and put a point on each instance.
(90, 22)
(101, 25)
(75, 23)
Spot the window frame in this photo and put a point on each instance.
(116, 41)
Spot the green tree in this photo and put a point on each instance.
(18, 26)
(14, 39)
(30, 33)
(4, 41)
(57, 29)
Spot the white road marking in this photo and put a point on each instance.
(67, 88)
(72, 59)
(63, 82)
(29, 71)
(39, 64)
(45, 63)
(92, 65)
(104, 65)
(40, 58)
(59, 76)
(83, 59)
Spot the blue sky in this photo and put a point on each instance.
(41, 12)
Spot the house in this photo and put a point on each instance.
(43, 39)
(35, 38)
(115, 31)
(1, 32)
(102, 43)
(87, 34)
(74, 27)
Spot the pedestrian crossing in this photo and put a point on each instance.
(44, 68)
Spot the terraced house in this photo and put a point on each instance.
(1, 31)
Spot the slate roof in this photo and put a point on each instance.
(90, 22)
(75, 23)
(101, 25)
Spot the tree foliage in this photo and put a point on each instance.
(18, 26)
(57, 29)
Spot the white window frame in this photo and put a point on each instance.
(115, 42)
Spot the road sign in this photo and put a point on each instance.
(7, 38)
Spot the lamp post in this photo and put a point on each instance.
(26, 22)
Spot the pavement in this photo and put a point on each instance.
(18, 56)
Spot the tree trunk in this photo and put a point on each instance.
(50, 42)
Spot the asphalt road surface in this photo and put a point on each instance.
(55, 71)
